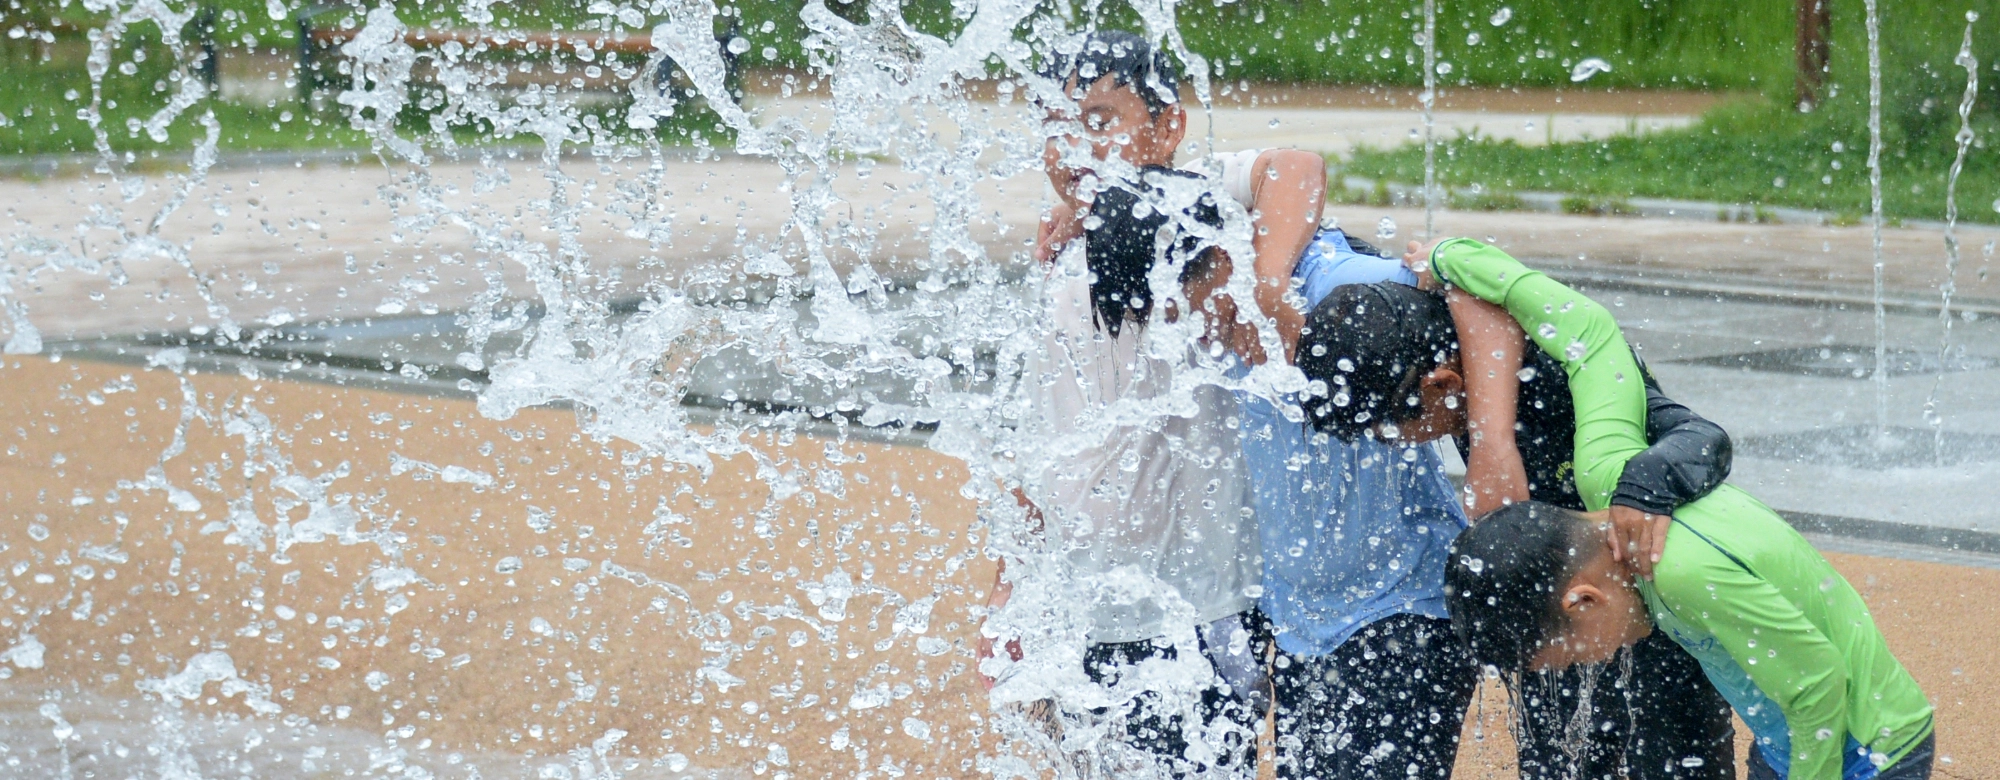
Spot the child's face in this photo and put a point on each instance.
(1115, 121)
(1602, 612)
(1206, 294)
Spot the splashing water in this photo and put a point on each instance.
(1881, 375)
(1588, 69)
(559, 274)
(1430, 125)
(1965, 137)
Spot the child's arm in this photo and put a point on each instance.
(1604, 378)
(1690, 456)
(1287, 196)
(1491, 350)
(1782, 652)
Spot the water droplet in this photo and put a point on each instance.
(1472, 39)
(1526, 374)
(1575, 350)
(1547, 330)
(1386, 229)
(1588, 68)
(1501, 16)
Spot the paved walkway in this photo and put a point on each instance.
(540, 629)
(308, 242)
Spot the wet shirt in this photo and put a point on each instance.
(1142, 486)
(1352, 533)
(1777, 630)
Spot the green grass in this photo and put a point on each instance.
(41, 108)
(1747, 153)
(49, 85)
(1737, 45)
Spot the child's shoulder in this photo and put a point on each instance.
(1725, 531)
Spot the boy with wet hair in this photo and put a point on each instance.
(1785, 639)
(1784, 636)
(1401, 364)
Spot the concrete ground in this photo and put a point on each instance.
(297, 243)
(550, 606)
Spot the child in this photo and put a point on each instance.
(1783, 635)
(1391, 360)
(1780, 633)
(1369, 678)
(1140, 475)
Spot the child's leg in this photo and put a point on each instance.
(1388, 703)
(1166, 735)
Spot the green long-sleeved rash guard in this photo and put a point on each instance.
(1775, 627)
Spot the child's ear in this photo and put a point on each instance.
(1581, 598)
(1172, 127)
(1443, 381)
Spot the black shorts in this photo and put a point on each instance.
(1653, 716)
(1165, 735)
(1388, 703)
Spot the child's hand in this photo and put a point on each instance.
(1417, 258)
(1637, 537)
(1059, 227)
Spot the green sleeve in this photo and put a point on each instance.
(1604, 378)
(1785, 655)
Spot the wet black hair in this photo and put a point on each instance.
(1127, 233)
(1505, 575)
(1125, 58)
(1372, 344)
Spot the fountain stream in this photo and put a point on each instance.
(1881, 375)
(1430, 125)
(1965, 137)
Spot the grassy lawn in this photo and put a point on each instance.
(1743, 153)
(1763, 154)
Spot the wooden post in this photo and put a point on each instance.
(1815, 30)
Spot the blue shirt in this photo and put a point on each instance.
(1352, 533)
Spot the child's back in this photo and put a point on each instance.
(1774, 624)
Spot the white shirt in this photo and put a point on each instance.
(1132, 477)
(1231, 170)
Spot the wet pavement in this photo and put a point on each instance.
(1791, 381)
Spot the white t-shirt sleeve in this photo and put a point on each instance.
(1232, 170)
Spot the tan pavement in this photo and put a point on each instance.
(601, 623)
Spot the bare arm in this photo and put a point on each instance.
(1003, 590)
(1287, 197)
(1491, 348)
